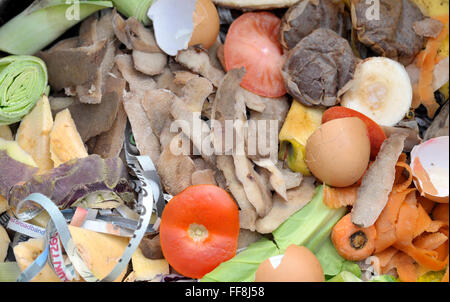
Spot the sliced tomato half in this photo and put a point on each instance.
(252, 42)
(199, 230)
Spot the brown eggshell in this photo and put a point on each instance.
(206, 24)
(338, 152)
(297, 265)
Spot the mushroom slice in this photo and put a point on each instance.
(182, 77)
(224, 108)
(377, 183)
(197, 60)
(276, 177)
(412, 136)
(252, 101)
(195, 93)
(109, 144)
(191, 124)
(439, 126)
(141, 38)
(264, 128)
(166, 80)
(73, 66)
(166, 134)
(247, 212)
(428, 27)
(292, 179)
(149, 63)
(282, 210)
(156, 104)
(203, 177)
(257, 192)
(91, 92)
(146, 141)
(93, 119)
(138, 81)
(120, 29)
(175, 170)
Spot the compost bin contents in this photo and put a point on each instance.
(224, 141)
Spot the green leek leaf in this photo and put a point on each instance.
(23, 81)
(134, 8)
(43, 22)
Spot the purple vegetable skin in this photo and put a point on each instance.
(76, 179)
(12, 172)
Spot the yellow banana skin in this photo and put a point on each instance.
(300, 124)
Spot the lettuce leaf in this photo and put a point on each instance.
(309, 227)
(243, 266)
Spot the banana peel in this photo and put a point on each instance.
(300, 124)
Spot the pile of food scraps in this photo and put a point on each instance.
(224, 141)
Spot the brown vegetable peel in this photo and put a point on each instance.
(377, 183)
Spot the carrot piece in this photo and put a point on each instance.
(352, 242)
(430, 241)
(429, 259)
(435, 225)
(339, 197)
(427, 204)
(405, 183)
(406, 223)
(423, 221)
(406, 269)
(386, 256)
(440, 212)
(425, 87)
(385, 224)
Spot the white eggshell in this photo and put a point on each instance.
(434, 157)
(173, 24)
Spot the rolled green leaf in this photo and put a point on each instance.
(134, 8)
(43, 22)
(23, 81)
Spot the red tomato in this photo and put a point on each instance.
(252, 42)
(199, 230)
(376, 133)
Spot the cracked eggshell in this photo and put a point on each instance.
(338, 152)
(173, 24)
(430, 168)
(297, 264)
(179, 24)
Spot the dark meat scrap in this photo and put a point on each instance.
(391, 34)
(308, 15)
(319, 67)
